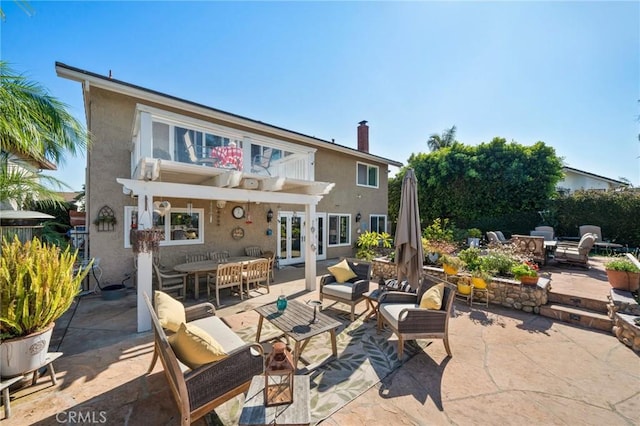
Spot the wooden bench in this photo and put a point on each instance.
(199, 391)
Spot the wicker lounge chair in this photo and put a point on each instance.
(350, 292)
(407, 320)
(576, 255)
(199, 391)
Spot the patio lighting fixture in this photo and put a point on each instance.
(358, 217)
(278, 376)
(269, 215)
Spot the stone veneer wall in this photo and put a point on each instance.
(505, 292)
(624, 310)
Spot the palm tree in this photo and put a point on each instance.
(447, 139)
(34, 128)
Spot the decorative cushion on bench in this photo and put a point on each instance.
(195, 347)
(395, 285)
(170, 311)
(342, 272)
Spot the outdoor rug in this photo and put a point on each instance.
(364, 358)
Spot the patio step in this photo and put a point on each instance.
(579, 316)
(578, 302)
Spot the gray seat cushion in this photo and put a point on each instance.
(339, 290)
(391, 311)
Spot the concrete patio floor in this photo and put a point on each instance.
(508, 367)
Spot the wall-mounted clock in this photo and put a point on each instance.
(238, 212)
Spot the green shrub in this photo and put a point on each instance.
(621, 264)
(372, 244)
(38, 283)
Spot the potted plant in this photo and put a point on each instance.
(473, 237)
(451, 264)
(464, 286)
(369, 244)
(38, 283)
(623, 274)
(526, 272)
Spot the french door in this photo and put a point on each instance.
(291, 237)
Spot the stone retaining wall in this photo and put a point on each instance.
(624, 310)
(505, 292)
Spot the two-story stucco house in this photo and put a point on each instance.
(223, 176)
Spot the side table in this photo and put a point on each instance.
(372, 298)
(254, 412)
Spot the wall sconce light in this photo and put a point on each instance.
(269, 215)
(358, 217)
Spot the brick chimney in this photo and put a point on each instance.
(363, 136)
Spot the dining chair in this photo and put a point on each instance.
(257, 273)
(253, 251)
(196, 257)
(219, 256)
(271, 256)
(171, 281)
(228, 275)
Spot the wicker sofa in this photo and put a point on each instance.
(199, 391)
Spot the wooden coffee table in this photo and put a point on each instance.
(296, 323)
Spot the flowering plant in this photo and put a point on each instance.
(525, 269)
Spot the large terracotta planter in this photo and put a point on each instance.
(622, 280)
(528, 280)
(24, 354)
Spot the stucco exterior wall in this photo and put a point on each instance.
(111, 124)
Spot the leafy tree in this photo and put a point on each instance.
(34, 127)
(436, 141)
(471, 184)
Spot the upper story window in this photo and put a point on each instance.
(367, 175)
(181, 138)
(181, 227)
(188, 145)
(378, 223)
(339, 229)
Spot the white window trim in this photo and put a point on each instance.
(386, 223)
(128, 212)
(339, 215)
(377, 185)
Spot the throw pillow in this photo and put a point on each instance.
(169, 310)
(195, 347)
(342, 271)
(395, 285)
(432, 298)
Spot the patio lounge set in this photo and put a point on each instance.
(206, 363)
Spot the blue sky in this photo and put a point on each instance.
(565, 73)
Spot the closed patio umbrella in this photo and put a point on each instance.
(408, 239)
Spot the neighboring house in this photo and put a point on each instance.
(222, 174)
(578, 180)
(14, 220)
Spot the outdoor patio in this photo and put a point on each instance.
(508, 367)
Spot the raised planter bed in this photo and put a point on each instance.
(502, 291)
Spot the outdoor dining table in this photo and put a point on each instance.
(206, 266)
